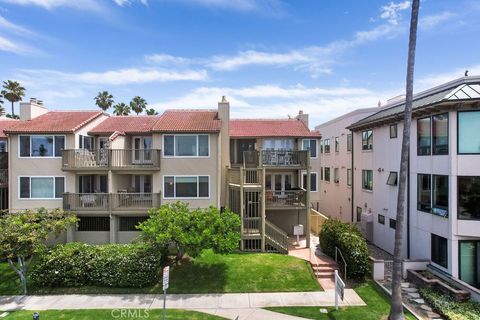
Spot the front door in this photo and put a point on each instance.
(279, 182)
(142, 183)
(142, 150)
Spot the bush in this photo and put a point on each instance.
(350, 241)
(450, 308)
(112, 265)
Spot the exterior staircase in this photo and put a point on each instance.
(324, 270)
(276, 240)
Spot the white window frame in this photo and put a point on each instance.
(187, 176)
(316, 145)
(30, 187)
(40, 135)
(175, 145)
(316, 180)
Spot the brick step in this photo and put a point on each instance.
(325, 275)
(324, 264)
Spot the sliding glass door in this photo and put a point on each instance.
(470, 262)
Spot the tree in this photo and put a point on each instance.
(2, 109)
(396, 310)
(104, 100)
(13, 92)
(138, 104)
(190, 231)
(24, 234)
(151, 112)
(121, 109)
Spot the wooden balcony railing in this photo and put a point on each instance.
(287, 198)
(111, 159)
(106, 202)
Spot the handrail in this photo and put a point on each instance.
(344, 262)
(277, 235)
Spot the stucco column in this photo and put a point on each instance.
(71, 234)
(307, 202)
(113, 229)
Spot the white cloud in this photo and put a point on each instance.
(271, 6)
(122, 3)
(51, 4)
(15, 47)
(390, 12)
(431, 21)
(14, 28)
(432, 80)
(166, 59)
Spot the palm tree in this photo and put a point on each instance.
(13, 92)
(2, 109)
(151, 112)
(121, 109)
(396, 309)
(138, 104)
(104, 100)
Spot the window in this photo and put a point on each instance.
(468, 137)
(41, 146)
(367, 179)
(278, 144)
(130, 223)
(359, 214)
(381, 219)
(336, 175)
(321, 173)
(440, 134)
(367, 140)
(310, 144)
(337, 144)
(432, 194)
(313, 181)
(392, 179)
(349, 142)
(93, 223)
(85, 142)
(424, 190)
(393, 131)
(186, 186)
(468, 198)
(3, 146)
(326, 145)
(439, 252)
(327, 174)
(349, 177)
(186, 145)
(423, 136)
(393, 223)
(321, 146)
(469, 262)
(41, 187)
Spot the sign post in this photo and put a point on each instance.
(166, 279)
(339, 289)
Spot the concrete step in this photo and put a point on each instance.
(332, 269)
(324, 264)
(325, 275)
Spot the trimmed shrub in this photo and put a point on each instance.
(350, 241)
(450, 308)
(112, 265)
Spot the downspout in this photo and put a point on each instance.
(353, 184)
(408, 205)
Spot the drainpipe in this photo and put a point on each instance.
(353, 175)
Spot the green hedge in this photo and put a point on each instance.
(111, 265)
(351, 243)
(450, 308)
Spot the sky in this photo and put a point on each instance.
(270, 58)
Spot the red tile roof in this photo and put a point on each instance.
(6, 123)
(188, 121)
(125, 124)
(55, 122)
(270, 128)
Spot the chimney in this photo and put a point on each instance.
(224, 148)
(302, 117)
(32, 109)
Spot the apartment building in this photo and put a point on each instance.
(335, 157)
(443, 212)
(111, 170)
(5, 123)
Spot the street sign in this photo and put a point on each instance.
(339, 288)
(166, 277)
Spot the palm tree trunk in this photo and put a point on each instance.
(13, 111)
(396, 310)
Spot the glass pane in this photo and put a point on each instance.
(349, 177)
(147, 148)
(59, 186)
(440, 195)
(104, 184)
(313, 148)
(41, 187)
(439, 251)
(424, 193)
(203, 187)
(88, 143)
(423, 136)
(440, 134)
(313, 182)
(327, 174)
(186, 187)
(468, 137)
(42, 146)
(168, 145)
(469, 198)
(24, 146)
(268, 182)
(278, 182)
(288, 182)
(186, 145)
(168, 188)
(349, 142)
(392, 179)
(24, 187)
(59, 145)
(203, 145)
(467, 262)
(304, 181)
(147, 184)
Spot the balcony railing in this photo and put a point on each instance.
(111, 159)
(287, 198)
(99, 202)
(276, 158)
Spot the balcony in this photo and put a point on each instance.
(110, 202)
(287, 199)
(111, 159)
(276, 158)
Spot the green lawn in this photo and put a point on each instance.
(112, 314)
(212, 273)
(378, 307)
